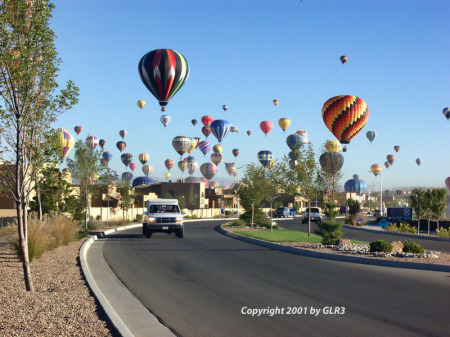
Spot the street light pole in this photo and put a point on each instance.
(381, 194)
(238, 187)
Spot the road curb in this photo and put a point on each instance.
(117, 316)
(407, 235)
(334, 257)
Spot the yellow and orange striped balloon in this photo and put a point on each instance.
(345, 116)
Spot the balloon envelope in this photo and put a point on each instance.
(126, 158)
(121, 145)
(141, 103)
(294, 141)
(165, 119)
(371, 135)
(181, 144)
(64, 143)
(284, 123)
(355, 185)
(376, 169)
(132, 166)
(396, 148)
(265, 157)
(266, 126)
(208, 170)
(207, 120)
(147, 169)
(345, 116)
(447, 182)
(169, 163)
(343, 59)
(333, 146)
(163, 72)
(204, 146)
(194, 122)
(144, 158)
(418, 161)
(107, 156)
(123, 133)
(331, 162)
(78, 129)
(142, 181)
(220, 128)
(102, 143)
(127, 176)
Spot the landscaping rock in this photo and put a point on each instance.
(345, 242)
(397, 247)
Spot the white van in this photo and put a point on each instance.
(163, 215)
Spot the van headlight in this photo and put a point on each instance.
(179, 220)
(151, 219)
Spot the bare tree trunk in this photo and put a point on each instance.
(23, 241)
(309, 218)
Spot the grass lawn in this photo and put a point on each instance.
(285, 235)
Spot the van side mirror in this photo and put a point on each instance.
(145, 213)
(184, 212)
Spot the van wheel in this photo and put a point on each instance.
(148, 234)
(144, 230)
(180, 233)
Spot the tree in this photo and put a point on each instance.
(29, 67)
(438, 203)
(354, 208)
(418, 202)
(127, 195)
(55, 192)
(303, 176)
(86, 168)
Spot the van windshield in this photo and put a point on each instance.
(164, 209)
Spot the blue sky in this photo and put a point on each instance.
(245, 53)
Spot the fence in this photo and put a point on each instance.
(7, 220)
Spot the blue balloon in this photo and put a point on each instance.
(355, 185)
(142, 181)
(107, 156)
(220, 128)
(294, 141)
(127, 176)
(265, 157)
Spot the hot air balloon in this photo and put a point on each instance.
(284, 123)
(275, 102)
(344, 149)
(390, 158)
(331, 162)
(234, 129)
(371, 135)
(141, 103)
(107, 156)
(193, 146)
(204, 146)
(333, 146)
(294, 142)
(418, 161)
(217, 148)
(102, 143)
(387, 164)
(207, 120)
(345, 116)
(206, 130)
(126, 158)
(127, 176)
(220, 128)
(144, 158)
(165, 119)
(169, 163)
(78, 129)
(147, 169)
(208, 170)
(182, 165)
(216, 158)
(192, 167)
(446, 113)
(355, 185)
(92, 141)
(121, 145)
(181, 144)
(265, 157)
(123, 133)
(167, 175)
(213, 184)
(249, 132)
(132, 166)
(266, 126)
(61, 130)
(376, 169)
(271, 164)
(163, 72)
(190, 159)
(225, 107)
(235, 152)
(142, 181)
(64, 143)
(447, 182)
(343, 59)
(396, 148)
(194, 122)
(303, 136)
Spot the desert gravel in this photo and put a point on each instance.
(62, 304)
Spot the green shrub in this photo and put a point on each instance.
(139, 218)
(239, 223)
(412, 247)
(227, 212)
(330, 231)
(443, 232)
(380, 246)
(259, 218)
(404, 227)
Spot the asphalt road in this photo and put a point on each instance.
(368, 236)
(208, 285)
